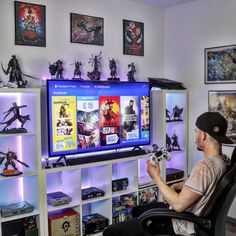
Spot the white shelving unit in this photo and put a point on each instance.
(27, 146)
(161, 125)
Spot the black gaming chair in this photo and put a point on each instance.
(212, 219)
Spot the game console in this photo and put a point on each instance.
(92, 192)
(120, 184)
(16, 209)
(58, 198)
(174, 174)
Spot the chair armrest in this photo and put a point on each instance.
(151, 215)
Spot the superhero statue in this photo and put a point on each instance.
(131, 72)
(10, 159)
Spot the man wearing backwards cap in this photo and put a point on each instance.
(193, 194)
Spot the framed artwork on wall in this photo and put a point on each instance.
(86, 29)
(133, 38)
(30, 24)
(220, 64)
(224, 102)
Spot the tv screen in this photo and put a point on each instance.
(91, 116)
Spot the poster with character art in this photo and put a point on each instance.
(109, 120)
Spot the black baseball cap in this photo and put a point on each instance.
(215, 125)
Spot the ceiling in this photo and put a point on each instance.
(164, 3)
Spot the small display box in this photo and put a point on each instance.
(65, 222)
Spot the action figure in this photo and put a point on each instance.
(175, 143)
(113, 69)
(95, 62)
(56, 69)
(168, 114)
(77, 70)
(16, 116)
(131, 72)
(177, 113)
(10, 158)
(168, 143)
(15, 73)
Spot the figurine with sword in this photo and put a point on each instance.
(15, 74)
(10, 158)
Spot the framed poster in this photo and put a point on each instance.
(133, 38)
(224, 102)
(220, 64)
(86, 29)
(30, 24)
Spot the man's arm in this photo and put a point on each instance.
(178, 201)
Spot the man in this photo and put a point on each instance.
(194, 193)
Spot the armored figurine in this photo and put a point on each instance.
(77, 71)
(175, 143)
(56, 69)
(131, 72)
(10, 158)
(15, 72)
(95, 62)
(113, 69)
(176, 113)
(15, 110)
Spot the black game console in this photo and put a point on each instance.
(92, 192)
(58, 198)
(174, 174)
(16, 209)
(94, 223)
(120, 184)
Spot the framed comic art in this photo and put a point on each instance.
(220, 64)
(30, 24)
(224, 102)
(133, 38)
(86, 29)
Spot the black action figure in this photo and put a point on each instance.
(95, 62)
(10, 158)
(56, 69)
(113, 69)
(15, 73)
(77, 71)
(131, 72)
(177, 113)
(16, 116)
(175, 143)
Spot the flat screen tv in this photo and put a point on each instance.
(92, 116)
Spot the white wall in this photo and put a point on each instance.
(189, 28)
(34, 61)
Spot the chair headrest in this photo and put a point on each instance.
(233, 157)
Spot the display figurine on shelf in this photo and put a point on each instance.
(10, 158)
(95, 61)
(15, 110)
(56, 69)
(15, 77)
(168, 143)
(175, 143)
(113, 70)
(47, 166)
(176, 113)
(131, 73)
(167, 115)
(77, 71)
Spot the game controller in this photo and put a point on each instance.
(156, 157)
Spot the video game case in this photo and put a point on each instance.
(16, 208)
(58, 198)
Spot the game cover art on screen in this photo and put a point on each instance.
(90, 116)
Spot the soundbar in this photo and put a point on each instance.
(105, 157)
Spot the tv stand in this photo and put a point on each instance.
(137, 148)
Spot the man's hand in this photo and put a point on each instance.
(153, 171)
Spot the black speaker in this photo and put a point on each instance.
(12, 228)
